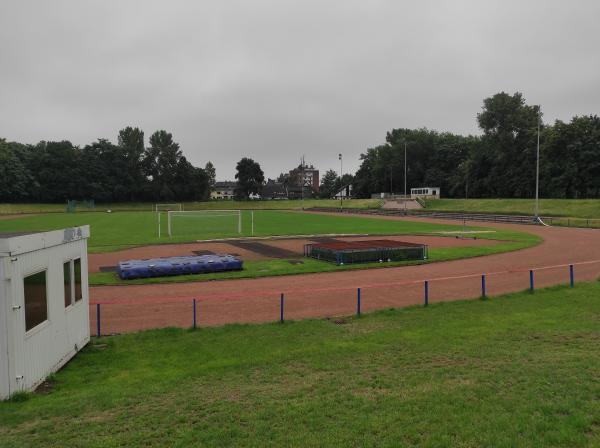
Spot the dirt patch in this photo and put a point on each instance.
(325, 239)
(340, 321)
(266, 250)
(45, 388)
(204, 252)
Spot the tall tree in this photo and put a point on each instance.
(16, 181)
(509, 128)
(131, 143)
(210, 171)
(328, 185)
(107, 175)
(570, 162)
(160, 162)
(58, 169)
(250, 178)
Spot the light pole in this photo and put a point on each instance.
(537, 172)
(404, 169)
(341, 186)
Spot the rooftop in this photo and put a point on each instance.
(6, 235)
(15, 243)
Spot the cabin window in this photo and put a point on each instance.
(77, 275)
(67, 283)
(72, 281)
(36, 306)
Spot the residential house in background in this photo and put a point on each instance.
(274, 190)
(223, 190)
(311, 177)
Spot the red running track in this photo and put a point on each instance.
(137, 307)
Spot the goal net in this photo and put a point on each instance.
(202, 223)
(168, 207)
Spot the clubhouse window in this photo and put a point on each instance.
(72, 281)
(67, 282)
(36, 303)
(77, 274)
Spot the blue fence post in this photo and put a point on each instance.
(358, 302)
(483, 285)
(572, 275)
(98, 319)
(531, 284)
(281, 309)
(194, 313)
(426, 292)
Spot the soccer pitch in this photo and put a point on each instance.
(112, 231)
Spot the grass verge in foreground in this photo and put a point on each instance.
(516, 370)
(509, 241)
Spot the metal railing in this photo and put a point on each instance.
(344, 297)
(482, 217)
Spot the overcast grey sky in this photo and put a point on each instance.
(274, 80)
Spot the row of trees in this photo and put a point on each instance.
(499, 163)
(103, 171)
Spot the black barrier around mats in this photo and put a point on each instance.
(396, 251)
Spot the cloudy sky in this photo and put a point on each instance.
(275, 80)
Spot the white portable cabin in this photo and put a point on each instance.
(44, 305)
(425, 192)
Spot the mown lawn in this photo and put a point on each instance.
(516, 370)
(207, 205)
(575, 208)
(112, 231)
(505, 241)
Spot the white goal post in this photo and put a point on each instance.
(203, 222)
(168, 207)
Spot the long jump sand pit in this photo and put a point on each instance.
(261, 249)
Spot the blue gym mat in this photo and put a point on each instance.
(194, 264)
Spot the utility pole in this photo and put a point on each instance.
(341, 186)
(537, 171)
(467, 184)
(404, 169)
(302, 180)
(391, 181)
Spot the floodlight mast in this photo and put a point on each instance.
(405, 170)
(537, 172)
(341, 185)
(302, 180)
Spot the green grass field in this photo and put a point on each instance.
(510, 241)
(574, 208)
(206, 205)
(516, 370)
(112, 231)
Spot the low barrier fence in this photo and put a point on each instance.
(121, 315)
(482, 217)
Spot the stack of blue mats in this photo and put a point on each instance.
(159, 267)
